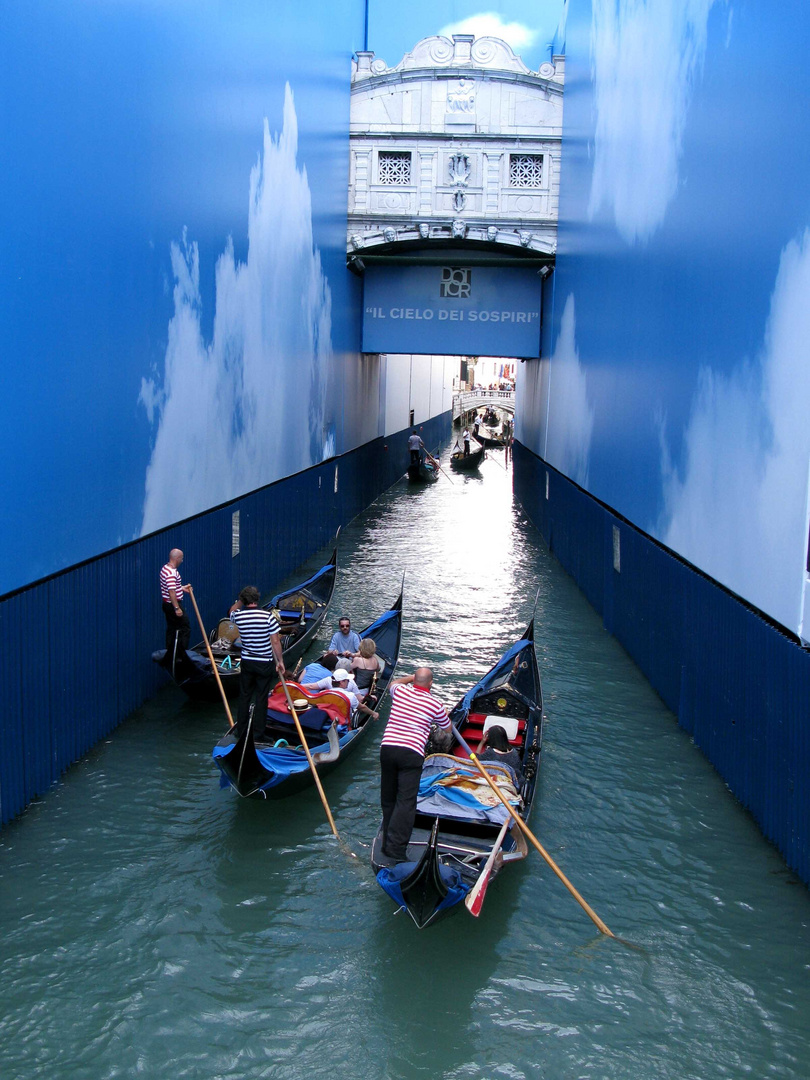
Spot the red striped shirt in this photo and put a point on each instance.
(413, 710)
(170, 579)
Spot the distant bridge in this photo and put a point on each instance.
(471, 400)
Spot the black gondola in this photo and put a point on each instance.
(491, 437)
(273, 766)
(425, 471)
(471, 461)
(301, 611)
(453, 838)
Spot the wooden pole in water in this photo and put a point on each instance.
(211, 658)
(315, 776)
(533, 839)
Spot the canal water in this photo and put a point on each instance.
(153, 925)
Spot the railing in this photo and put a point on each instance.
(469, 400)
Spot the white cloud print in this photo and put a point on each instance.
(645, 57)
(570, 423)
(489, 24)
(220, 408)
(739, 510)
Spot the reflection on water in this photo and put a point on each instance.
(155, 925)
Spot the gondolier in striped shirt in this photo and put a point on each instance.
(178, 628)
(261, 642)
(402, 753)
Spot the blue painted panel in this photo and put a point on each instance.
(737, 683)
(452, 309)
(158, 170)
(675, 387)
(15, 616)
(103, 618)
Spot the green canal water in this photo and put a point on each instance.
(153, 925)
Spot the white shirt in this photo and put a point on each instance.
(350, 690)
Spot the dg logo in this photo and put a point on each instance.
(456, 283)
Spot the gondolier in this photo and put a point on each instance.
(178, 628)
(416, 446)
(261, 643)
(402, 754)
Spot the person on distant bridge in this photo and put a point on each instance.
(416, 446)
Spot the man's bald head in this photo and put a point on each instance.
(423, 676)
(175, 556)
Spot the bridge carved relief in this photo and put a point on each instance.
(458, 143)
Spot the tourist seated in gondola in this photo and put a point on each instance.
(365, 665)
(495, 748)
(321, 668)
(342, 683)
(345, 641)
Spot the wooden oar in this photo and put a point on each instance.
(474, 900)
(438, 466)
(532, 838)
(492, 457)
(211, 658)
(315, 776)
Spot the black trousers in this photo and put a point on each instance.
(178, 631)
(400, 773)
(256, 677)
(415, 456)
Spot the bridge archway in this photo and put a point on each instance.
(470, 400)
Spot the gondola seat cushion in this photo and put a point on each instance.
(314, 720)
(510, 724)
(334, 705)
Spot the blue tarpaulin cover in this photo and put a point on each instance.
(494, 677)
(281, 761)
(280, 596)
(390, 877)
(436, 798)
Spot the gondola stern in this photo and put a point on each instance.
(425, 888)
(241, 767)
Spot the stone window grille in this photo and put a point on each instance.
(526, 170)
(394, 167)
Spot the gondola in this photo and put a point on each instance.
(274, 765)
(491, 438)
(466, 464)
(423, 471)
(459, 819)
(301, 610)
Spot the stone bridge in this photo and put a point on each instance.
(471, 400)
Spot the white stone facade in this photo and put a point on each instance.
(459, 141)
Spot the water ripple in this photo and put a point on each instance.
(156, 926)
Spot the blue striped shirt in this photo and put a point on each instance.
(255, 626)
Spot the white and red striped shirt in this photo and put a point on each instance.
(413, 710)
(170, 579)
